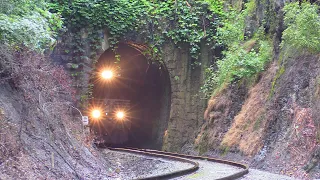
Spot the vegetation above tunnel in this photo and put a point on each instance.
(157, 21)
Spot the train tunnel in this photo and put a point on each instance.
(145, 84)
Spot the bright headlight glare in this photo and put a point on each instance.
(96, 113)
(120, 115)
(107, 74)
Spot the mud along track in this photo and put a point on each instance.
(185, 159)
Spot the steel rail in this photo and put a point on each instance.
(182, 157)
(230, 177)
(173, 174)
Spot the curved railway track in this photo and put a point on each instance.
(185, 159)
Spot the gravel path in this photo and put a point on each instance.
(133, 166)
(211, 170)
(255, 174)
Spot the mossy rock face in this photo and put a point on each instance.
(274, 82)
(203, 145)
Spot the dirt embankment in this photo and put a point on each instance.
(292, 137)
(40, 138)
(278, 125)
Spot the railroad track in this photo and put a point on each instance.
(185, 159)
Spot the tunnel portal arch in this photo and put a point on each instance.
(145, 83)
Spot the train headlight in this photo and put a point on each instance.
(107, 74)
(120, 115)
(96, 113)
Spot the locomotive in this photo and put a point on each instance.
(109, 118)
(111, 123)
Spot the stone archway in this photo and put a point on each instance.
(186, 106)
(146, 84)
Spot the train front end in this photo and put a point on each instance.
(111, 122)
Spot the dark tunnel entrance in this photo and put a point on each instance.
(146, 85)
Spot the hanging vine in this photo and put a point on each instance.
(178, 21)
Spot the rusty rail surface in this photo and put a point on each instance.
(186, 159)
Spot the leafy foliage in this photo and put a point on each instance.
(209, 83)
(28, 23)
(238, 63)
(303, 24)
(157, 21)
(232, 30)
(118, 16)
(184, 23)
(240, 60)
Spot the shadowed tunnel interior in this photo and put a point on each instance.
(146, 84)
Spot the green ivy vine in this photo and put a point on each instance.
(179, 21)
